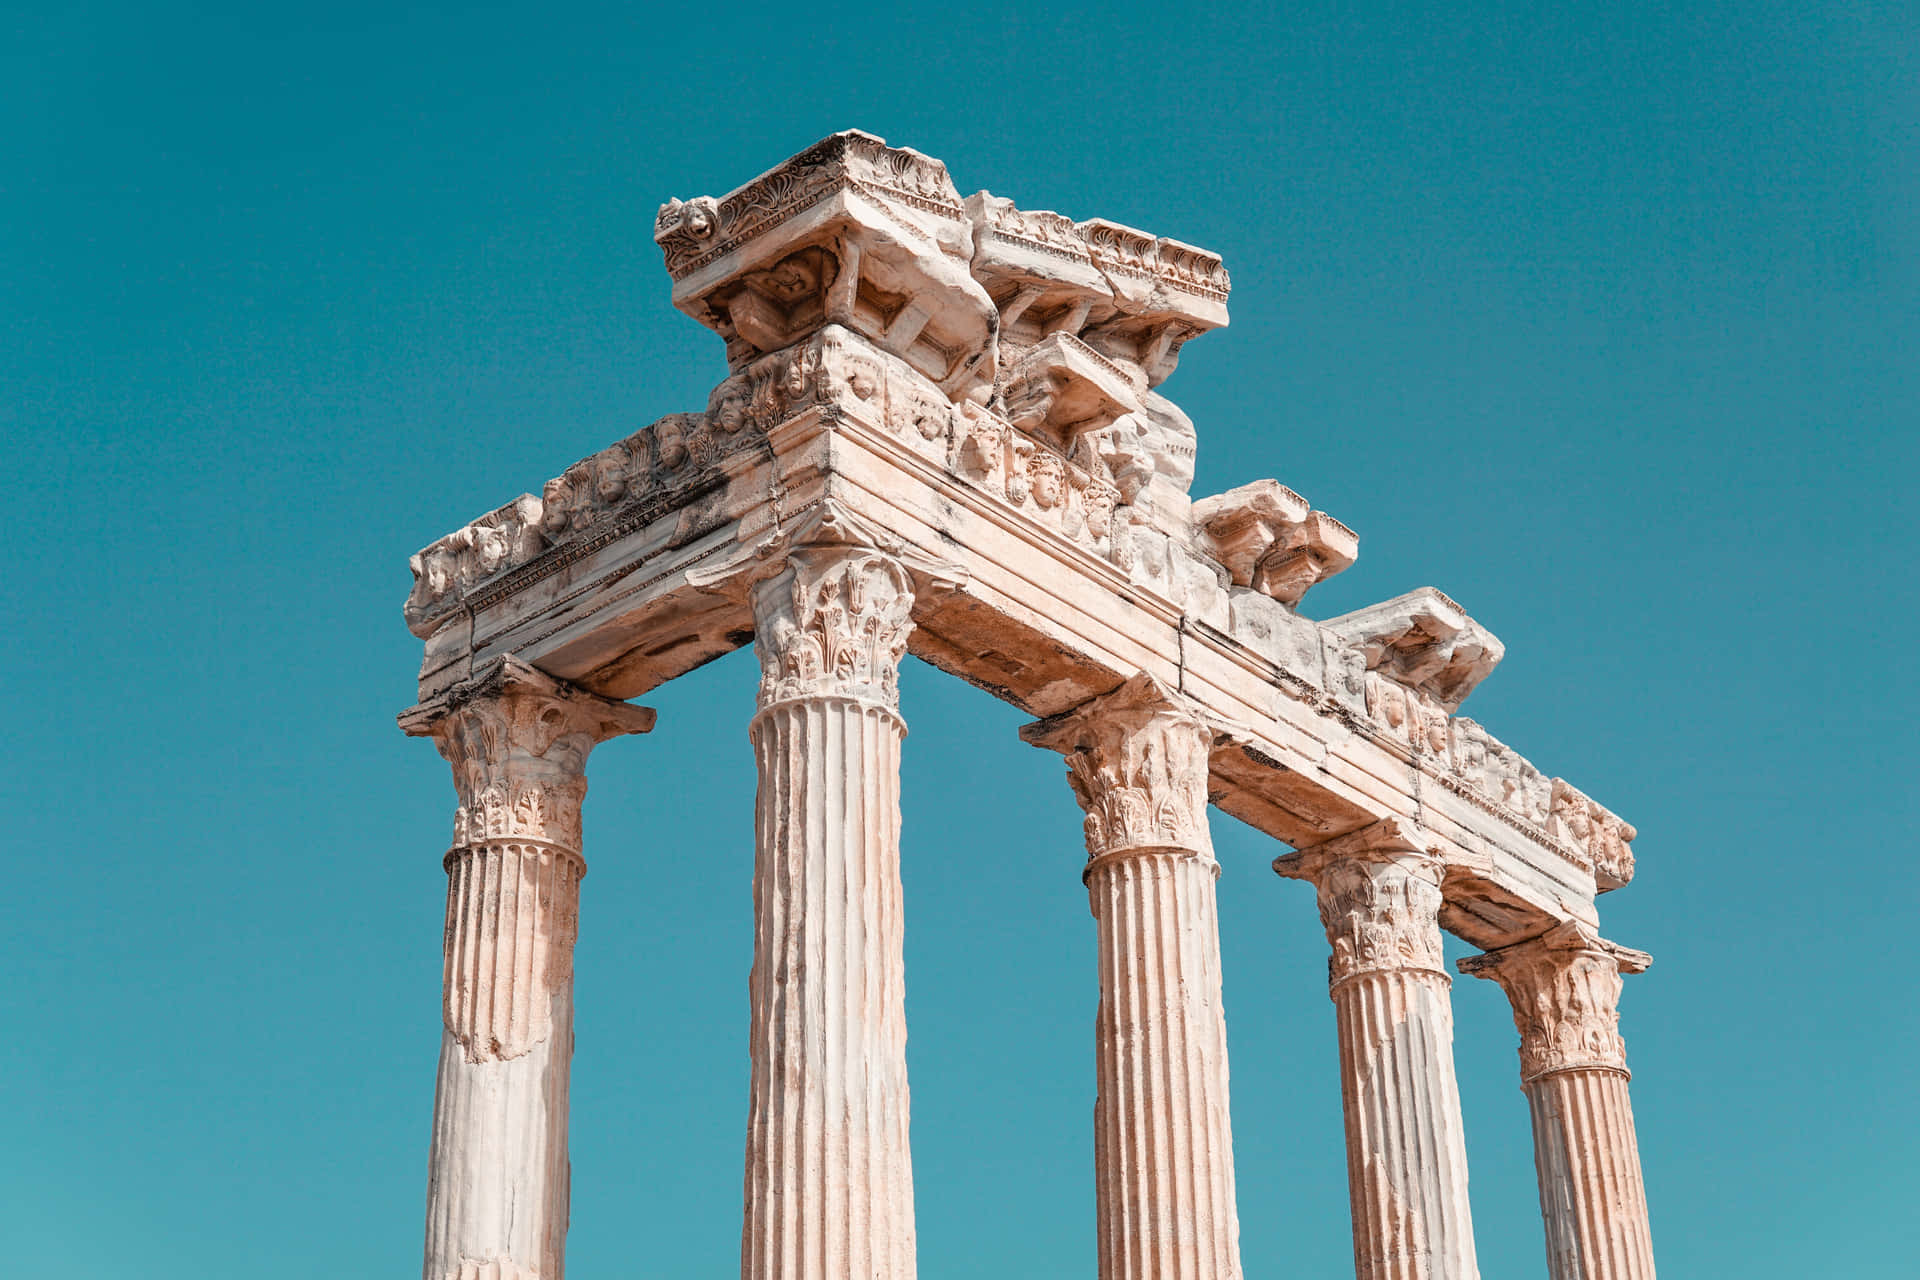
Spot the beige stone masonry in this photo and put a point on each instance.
(497, 1173)
(943, 428)
(1565, 989)
(1163, 1137)
(1379, 892)
(829, 1176)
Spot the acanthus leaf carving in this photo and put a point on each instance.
(1564, 987)
(835, 623)
(517, 740)
(1378, 890)
(1138, 760)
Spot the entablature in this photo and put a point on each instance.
(1030, 446)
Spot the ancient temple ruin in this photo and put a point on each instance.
(941, 432)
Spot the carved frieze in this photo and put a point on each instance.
(1407, 716)
(1595, 833)
(853, 283)
(1565, 990)
(1498, 772)
(1137, 759)
(681, 453)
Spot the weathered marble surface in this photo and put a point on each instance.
(1163, 1135)
(944, 419)
(498, 1177)
(1379, 893)
(1565, 989)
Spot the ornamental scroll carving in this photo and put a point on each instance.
(1565, 990)
(1594, 832)
(1137, 759)
(831, 372)
(1379, 898)
(836, 623)
(1380, 916)
(518, 742)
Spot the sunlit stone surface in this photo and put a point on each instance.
(943, 429)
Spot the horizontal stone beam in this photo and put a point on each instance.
(1049, 617)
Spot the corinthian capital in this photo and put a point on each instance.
(1565, 989)
(836, 621)
(1379, 893)
(832, 599)
(1137, 759)
(518, 741)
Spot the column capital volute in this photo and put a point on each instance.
(1138, 758)
(1564, 986)
(1565, 944)
(1391, 840)
(1378, 890)
(518, 741)
(558, 707)
(832, 596)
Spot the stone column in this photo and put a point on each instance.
(829, 1182)
(497, 1176)
(1163, 1141)
(1379, 891)
(1565, 990)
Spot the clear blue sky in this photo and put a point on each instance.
(1601, 318)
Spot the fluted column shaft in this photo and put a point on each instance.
(1565, 991)
(498, 1177)
(829, 1178)
(1379, 899)
(1163, 1138)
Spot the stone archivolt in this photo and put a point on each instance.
(942, 427)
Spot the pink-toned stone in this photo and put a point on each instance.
(1163, 1136)
(1565, 989)
(498, 1178)
(1379, 892)
(829, 1177)
(942, 423)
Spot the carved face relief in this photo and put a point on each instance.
(1048, 480)
(610, 475)
(730, 414)
(491, 547)
(1019, 486)
(670, 444)
(556, 509)
(797, 378)
(697, 219)
(863, 379)
(1099, 503)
